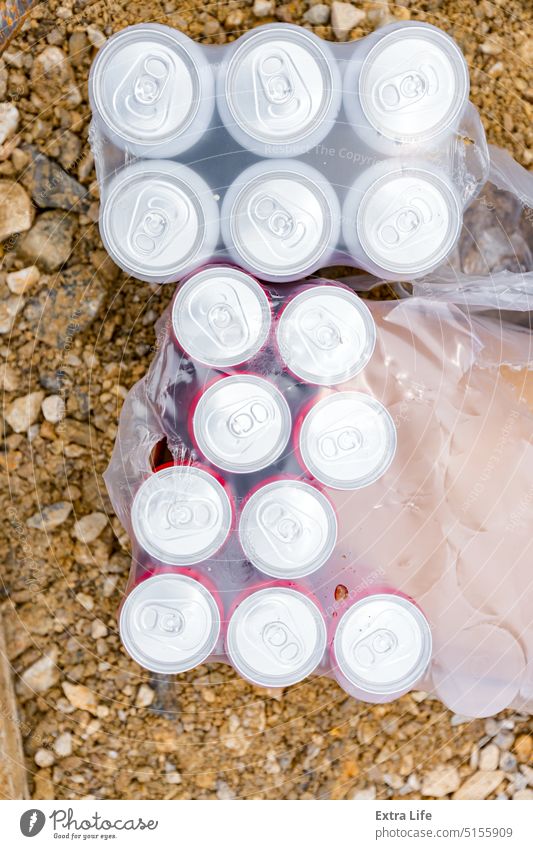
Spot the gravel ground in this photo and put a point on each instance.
(76, 334)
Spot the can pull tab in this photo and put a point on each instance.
(189, 516)
(145, 91)
(160, 620)
(282, 642)
(339, 443)
(375, 648)
(321, 329)
(250, 418)
(278, 520)
(270, 214)
(226, 326)
(280, 92)
(155, 221)
(403, 90)
(405, 222)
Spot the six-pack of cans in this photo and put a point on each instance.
(281, 152)
(238, 552)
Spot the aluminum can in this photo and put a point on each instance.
(182, 514)
(280, 219)
(288, 528)
(325, 335)
(276, 636)
(279, 91)
(152, 91)
(401, 218)
(170, 623)
(159, 220)
(346, 440)
(241, 423)
(405, 88)
(382, 647)
(221, 316)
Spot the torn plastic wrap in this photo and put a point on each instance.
(492, 266)
(445, 528)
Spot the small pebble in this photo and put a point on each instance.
(63, 745)
(317, 15)
(89, 527)
(508, 762)
(20, 281)
(489, 757)
(263, 8)
(9, 121)
(344, 17)
(53, 408)
(44, 757)
(145, 696)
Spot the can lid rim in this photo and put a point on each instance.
(107, 55)
(276, 680)
(451, 49)
(366, 316)
(163, 667)
(157, 551)
(253, 286)
(329, 511)
(424, 656)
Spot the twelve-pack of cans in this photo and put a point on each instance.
(283, 153)
(237, 546)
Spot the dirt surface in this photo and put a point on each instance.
(76, 334)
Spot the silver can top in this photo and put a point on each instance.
(276, 637)
(181, 515)
(408, 220)
(221, 316)
(158, 218)
(146, 86)
(383, 644)
(280, 85)
(413, 84)
(326, 335)
(288, 529)
(280, 218)
(169, 623)
(242, 423)
(347, 440)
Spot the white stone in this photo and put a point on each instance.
(44, 758)
(145, 696)
(9, 121)
(63, 745)
(89, 527)
(344, 17)
(53, 408)
(480, 785)
(23, 412)
(9, 309)
(441, 781)
(489, 757)
(98, 630)
(263, 8)
(41, 675)
(16, 210)
(365, 793)
(20, 281)
(96, 37)
(318, 14)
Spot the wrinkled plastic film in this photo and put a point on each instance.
(447, 525)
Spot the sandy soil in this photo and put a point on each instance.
(94, 725)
